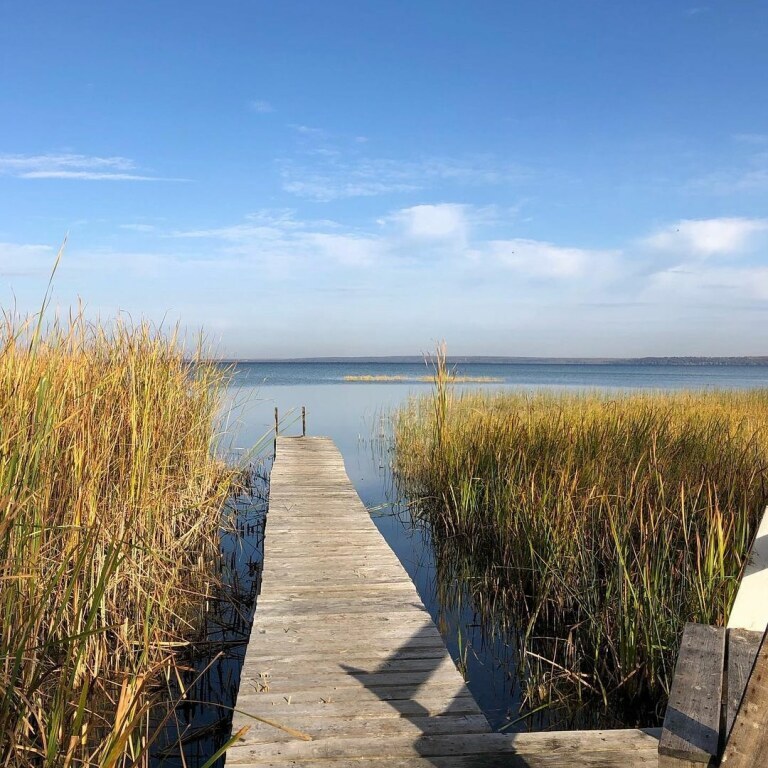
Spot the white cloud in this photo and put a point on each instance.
(279, 241)
(445, 221)
(539, 259)
(707, 237)
(305, 281)
(409, 238)
(25, 259)
(350, 250)
(73, 166)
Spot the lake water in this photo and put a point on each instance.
(355, 416)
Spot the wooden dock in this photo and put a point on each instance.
(344, 665)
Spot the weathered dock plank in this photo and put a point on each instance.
(343, 651)
(692, 722)
(743, 645)
(747, 744)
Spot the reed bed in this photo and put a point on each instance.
(452, 377)
(590, 527)
(110, 504)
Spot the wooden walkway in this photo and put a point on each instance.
(345, 667)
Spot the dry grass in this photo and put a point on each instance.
(593, 525)
(110, 503)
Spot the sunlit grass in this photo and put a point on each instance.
(593, 524)
(110, 502)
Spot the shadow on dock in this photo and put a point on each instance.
(435, 744)
(345, 667)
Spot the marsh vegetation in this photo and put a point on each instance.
(110, 508)
(587, 528)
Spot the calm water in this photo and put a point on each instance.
(355, 415)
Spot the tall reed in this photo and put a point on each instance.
(110, 499)
(591, 526)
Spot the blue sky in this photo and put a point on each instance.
(580, 177)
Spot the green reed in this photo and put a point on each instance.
(590, 526)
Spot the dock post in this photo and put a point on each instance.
(277, 432)
(303, 421)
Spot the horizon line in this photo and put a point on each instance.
(501, 359)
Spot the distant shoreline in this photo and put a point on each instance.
(489, 360)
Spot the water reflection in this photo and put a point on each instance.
(519, 662)
(197, 722)
(474, 605)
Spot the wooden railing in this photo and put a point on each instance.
(303, 421)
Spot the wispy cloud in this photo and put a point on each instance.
(430, 270)
(751, 138)
(73, 166)
(261, 106)
(142, 228)
(729, 183)
(710, 286)
(87, 176)
(416, 237)
(308, 130)
(264, 223)
(333, 177)
(329, 166)
(280, 243)
(459, 242)
(750, 176)
(324, 189)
